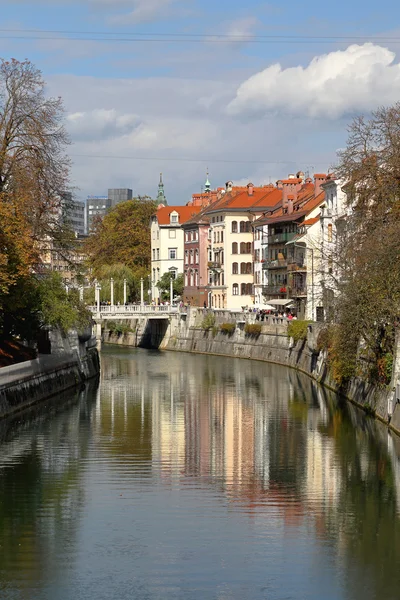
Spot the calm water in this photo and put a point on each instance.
(192, 477)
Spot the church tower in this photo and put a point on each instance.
(161, 199)
(207, 185)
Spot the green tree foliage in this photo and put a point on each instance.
(42, 301)
(164, 285)
(297, 330)
(367, 308)
(123, 238)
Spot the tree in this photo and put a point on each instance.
(123, 238)
(164, 285)
(368, 250)
(34, 172)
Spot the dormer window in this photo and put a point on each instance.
(174, 217)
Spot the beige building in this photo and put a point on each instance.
(167, 242)
(231, 248)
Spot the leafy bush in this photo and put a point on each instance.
(324, 339)
(214, 330)
(385, 368)
(208, 322)
(253, 329)
(298, 330)
(118, 328)
(228, 328)
(111, 326)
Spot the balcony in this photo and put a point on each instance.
(274, 264)
(215, 266)
(298, 291)
(278, 238)
(296, 266)
(268, 290)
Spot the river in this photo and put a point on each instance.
(198, 477)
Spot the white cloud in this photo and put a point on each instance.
(353, 80)
(141, 11)
(100, 124)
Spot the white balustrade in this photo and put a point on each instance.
(128, 309)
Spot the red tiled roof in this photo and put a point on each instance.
(293, 180)
(320, 175)
(311, 221)
(185, 213)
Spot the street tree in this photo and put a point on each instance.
(164, 285)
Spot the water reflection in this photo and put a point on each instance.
(199, 477)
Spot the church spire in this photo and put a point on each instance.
(161, 199)
(207, 186)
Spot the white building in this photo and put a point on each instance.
(167, 242)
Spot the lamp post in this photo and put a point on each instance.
(124, 291)
(141, 292)
(81, 293)
(171, 290)
(112, 291)
(98, 288)
(149, 290)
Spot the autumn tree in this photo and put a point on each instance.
(34, 170)
(123, 238)
(367, 308)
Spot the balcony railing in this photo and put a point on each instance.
(278, 238)
(215, 266)
(274, 289)
(297, 292)
(296, 266)
(274, 264)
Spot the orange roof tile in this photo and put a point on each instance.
(311, 221)
(184, 212)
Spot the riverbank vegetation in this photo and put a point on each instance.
(34, 172)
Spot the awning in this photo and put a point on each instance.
(280, 302)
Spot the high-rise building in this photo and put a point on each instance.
(73, 213)
(96, 206)
(117, 195)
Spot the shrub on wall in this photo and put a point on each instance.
(298, 330)
(228, 328)
(253, 329)
(208, 322)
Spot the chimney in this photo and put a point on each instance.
(290, 204)
(291, 176)
(300, 175)
(229, 186)
(308, 180)
(319, 179)
(279, 184)
(250, 189)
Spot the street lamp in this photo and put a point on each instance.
(141, 292)
(112, 291)
(149, 290)
(124, 291)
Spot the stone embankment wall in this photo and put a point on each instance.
(70, 364)
(183, 332)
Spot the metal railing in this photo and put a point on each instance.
(274, 289)
(296, 266)
(134, 309)
(274, 264)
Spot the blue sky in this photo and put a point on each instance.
(243, 104)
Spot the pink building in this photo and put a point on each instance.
(196, 232)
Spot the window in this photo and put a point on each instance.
(235, 289)
(172, 233)
(213, 219)
(158, 253)
(154, 254)
(196, 256)
(222, 236)
(234, 248)
(248, 248)
(173, 218)
(243, 268)
(243, 289)
(234, 226)
(249, 268)
(329, 233)
(186, 257)
(243, 248)
(154, 275)
(172, 253)
(191, 257)
(217, 237)
(186, 236)
(242, 227)
(235, 268)
(186, 279)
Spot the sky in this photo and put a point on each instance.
(250, 90)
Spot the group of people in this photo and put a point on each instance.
(262, 314)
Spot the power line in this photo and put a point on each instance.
(194, 160)
(208, 36)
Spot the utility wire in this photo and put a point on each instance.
(208, 36)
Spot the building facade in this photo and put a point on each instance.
(167, 243)
(96, 208)
(117, 195)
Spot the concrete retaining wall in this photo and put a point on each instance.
(27, 383)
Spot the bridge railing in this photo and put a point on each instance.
(133, 309)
